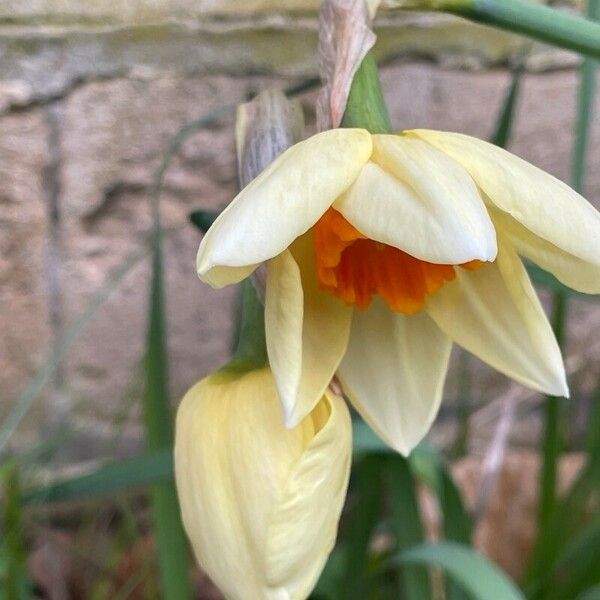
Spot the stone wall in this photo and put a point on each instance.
(89, 100)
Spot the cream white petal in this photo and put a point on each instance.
(260, 503)
(307, 330)
(414, 197)
(282, 203)
(574, 272)
(543, 204)
(495, 313)
(394, 372)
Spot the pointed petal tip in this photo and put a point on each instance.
(290, 419)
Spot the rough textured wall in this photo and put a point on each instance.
(88, 104)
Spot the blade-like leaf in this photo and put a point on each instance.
(506, 117)
(478, 576)
(557, 520)
(407, 525)
(171, 541)
(577, 569)
(367, 476)
(540, 22)
(148, 469)
(13, 545)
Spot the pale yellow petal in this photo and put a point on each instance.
(238, 472)
(574, 272)
(304, 525)
(546, 206)
(394, 372)
(282, 203)
(414, 197)
(495, 313)
(307, 330)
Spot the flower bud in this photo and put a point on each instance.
(260, 503)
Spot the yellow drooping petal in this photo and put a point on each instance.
(260, 503)
(495, 313)
(543, 204)
(417, 199)
(282, 203)
(574, 272)
(307, 330)
(394, 372)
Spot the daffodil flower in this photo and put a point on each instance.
(260, 502)
(383, 249)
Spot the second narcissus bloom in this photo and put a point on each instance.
(383, 249)
(260, 503)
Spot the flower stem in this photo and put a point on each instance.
(528, 18)
(553, 414)
(366, 106)
(553, 441)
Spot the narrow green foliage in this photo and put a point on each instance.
(171, 541)
(429, 467)
(577, 568)
(122, 475)
(479, 577)
(504, 124)
(366, 107)
(585, 109)
(558, 520)
(365, 441)
(13, 544)
(528, 18)
(553, 436)
(203, 219)
(361, 524)
(407, 525)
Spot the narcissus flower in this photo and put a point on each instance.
(383, 249)
(260, 503)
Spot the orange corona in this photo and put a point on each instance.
(354, 268)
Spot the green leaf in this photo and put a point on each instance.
(362, 522)
(123, 475)
(585, 109)
(591, 594)
(407, 525)
(429, 466)
(331, 580)
(506, 117)
(557, 520)
(577, 569)
(365, 441)
(203, 219)
(16, 585)
(528, 18)
(478, 576)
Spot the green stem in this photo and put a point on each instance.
(553, 434)
(587, 88)
(528, 18)
(251, 347)
(553, 438)
(366, 106)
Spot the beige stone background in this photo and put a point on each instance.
(92, 92)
